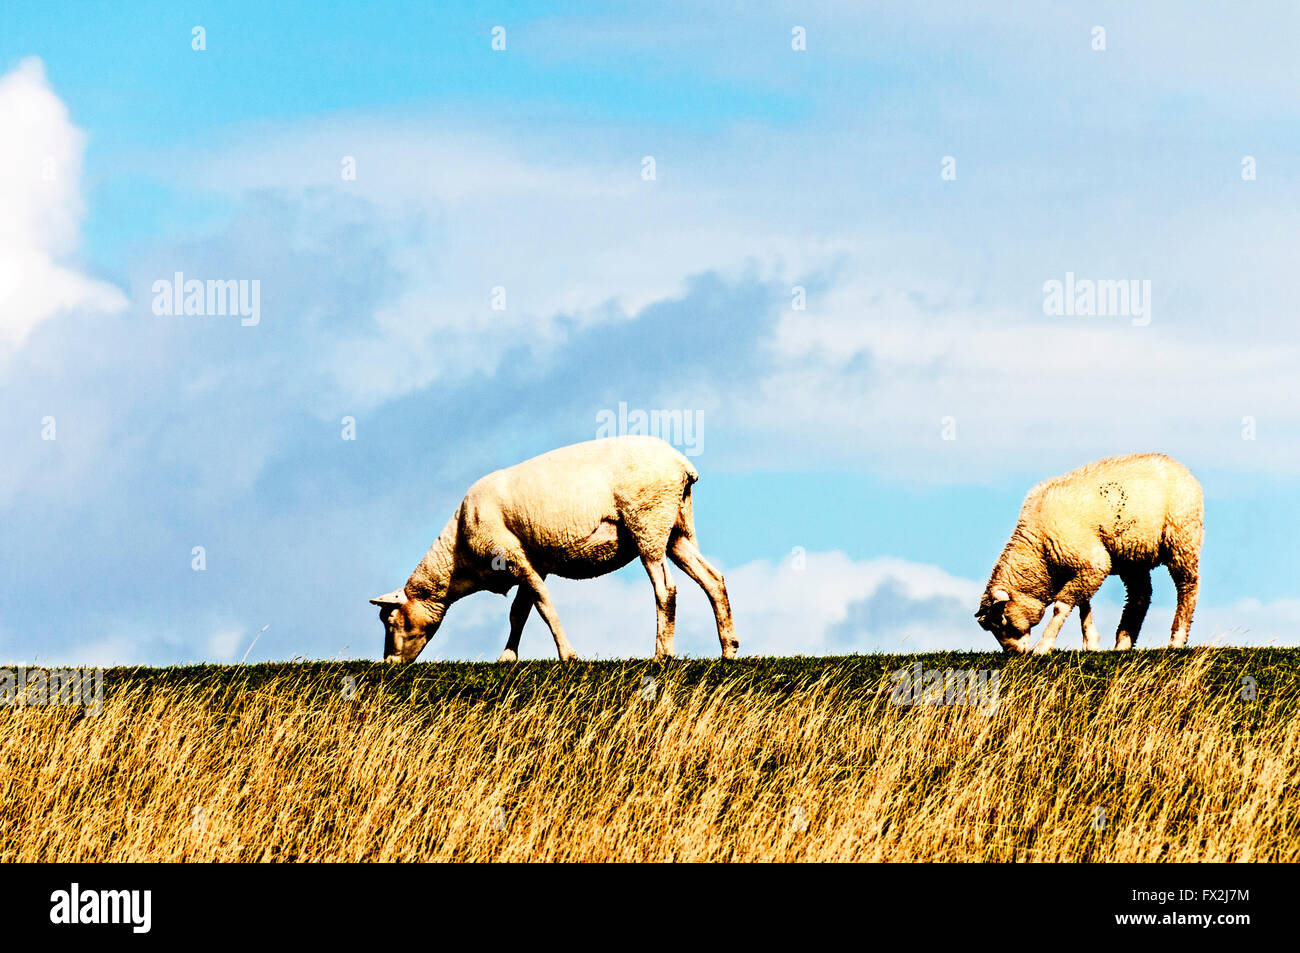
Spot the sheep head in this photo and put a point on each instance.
(408, 624)
(1010, 616)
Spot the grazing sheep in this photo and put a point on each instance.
(1121, 516)
(578, 512)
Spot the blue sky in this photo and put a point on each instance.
(843, 519)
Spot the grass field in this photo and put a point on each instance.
(1143, 756)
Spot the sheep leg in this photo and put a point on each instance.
(1138, 586)
(546, 608)
(518, 616)
(1091, 637)
(1187, 582)
(1046, 641)
(1079, 590)
(686, 555)
(665, 603)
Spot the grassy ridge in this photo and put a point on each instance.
(1276, 671)
(1104, 756)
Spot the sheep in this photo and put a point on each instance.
(1120, 516)
(580, 511)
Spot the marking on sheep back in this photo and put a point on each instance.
(1113, 493)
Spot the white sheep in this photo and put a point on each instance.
(580, 511)
(1121, 516)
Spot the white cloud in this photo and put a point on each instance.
(40, 175)
(570, 233)
(1022, 388)
(223, 645)
(911, 323)
(114, 649)
(779, 610)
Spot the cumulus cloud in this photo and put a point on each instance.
(910, 317)
(874, 369)
(40, 179)
(807, 604)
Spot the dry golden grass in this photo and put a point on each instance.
(819, 773)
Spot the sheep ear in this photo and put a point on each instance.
(999, 598)
(394, 598)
